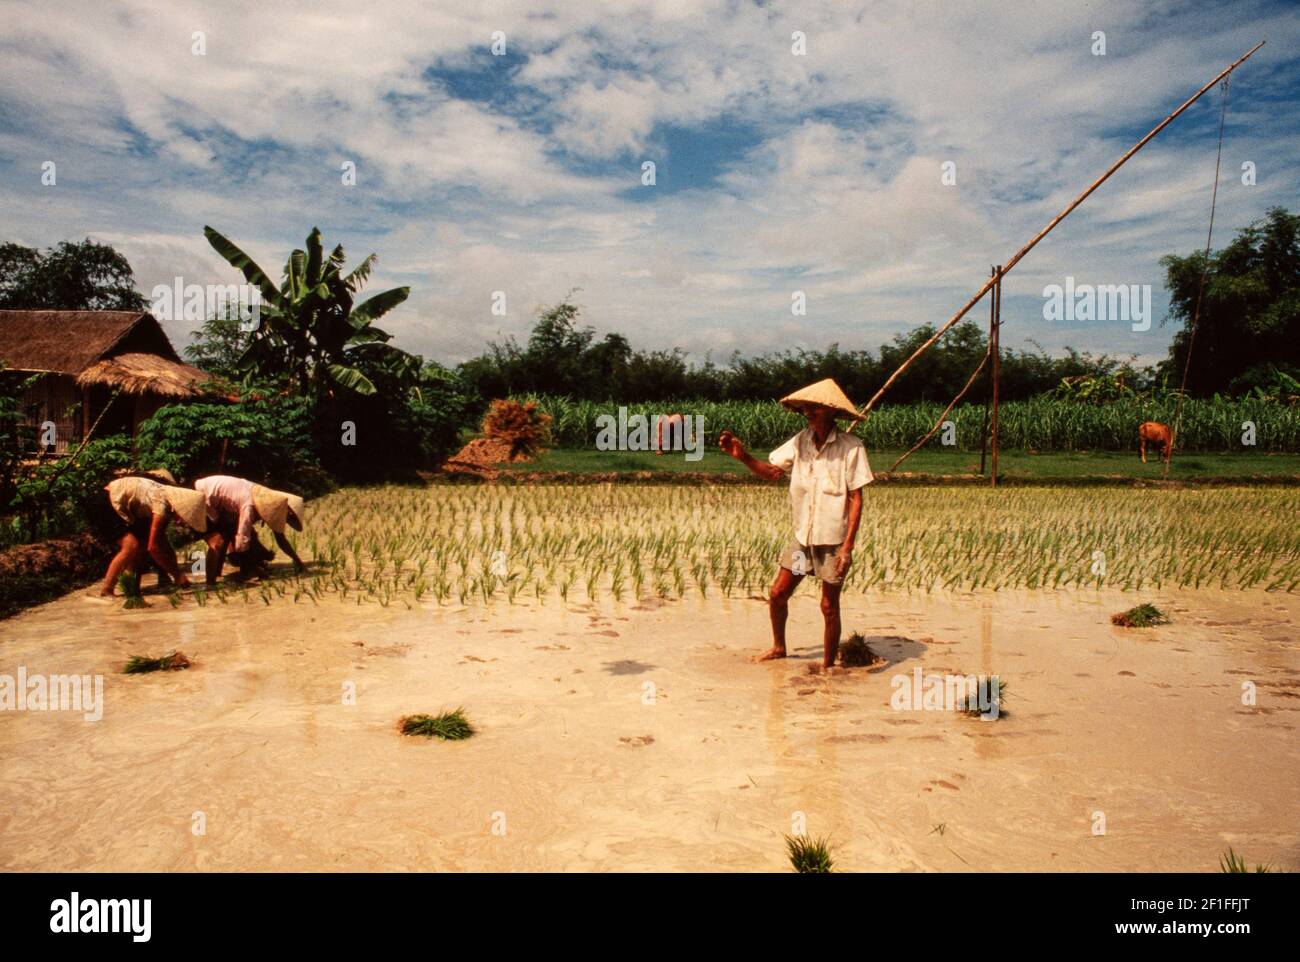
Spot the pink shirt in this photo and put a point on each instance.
(228, 498)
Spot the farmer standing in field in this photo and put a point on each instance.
(828, 469)
(234, 506)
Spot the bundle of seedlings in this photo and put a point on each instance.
(449, 726)
(1234, 864)
(809, 856)
(856, 653)
(986, 698)
(1142, 616)
(172, 661)
(130, 585)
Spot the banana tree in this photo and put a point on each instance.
(310, 328)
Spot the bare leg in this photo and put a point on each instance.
(216, 558)
(128, 550)
(165, 556)
(778, 606)
(1143, 445)
(831, 613)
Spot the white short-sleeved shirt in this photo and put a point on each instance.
(820, 482)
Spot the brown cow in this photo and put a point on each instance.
(1158, 434)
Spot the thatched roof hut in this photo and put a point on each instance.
(90, 357)
(144, 374)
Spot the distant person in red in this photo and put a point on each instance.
(674, 427)
(147, 506)
(234, 506)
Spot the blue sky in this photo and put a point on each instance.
(775, 172)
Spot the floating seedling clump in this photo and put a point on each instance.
(810, 856)
(1142, 616)
(449, 725)
(986, 698)
(856, 653)
(172, 661)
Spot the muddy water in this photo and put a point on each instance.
(639, 736)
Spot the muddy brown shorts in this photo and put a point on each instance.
(817, 560)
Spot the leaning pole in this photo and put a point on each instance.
(975, 298)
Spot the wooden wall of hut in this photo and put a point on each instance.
(54, 398)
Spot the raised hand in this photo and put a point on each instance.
(730, 445)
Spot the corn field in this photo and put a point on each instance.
(1039, 424)
(478, 545)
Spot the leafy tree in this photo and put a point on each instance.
(15, 440)
(265, 439)
(55, 498)
(1250, 310)
(85, 276)
(311, 331)
(219, 345)
(563, 358)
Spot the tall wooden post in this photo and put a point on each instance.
(988, 395)
(997, 369)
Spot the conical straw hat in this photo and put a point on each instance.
(826, 394)
(297, 511)
(272, 507)
(188, 505)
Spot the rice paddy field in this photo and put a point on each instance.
(459, 544)
(507, 677)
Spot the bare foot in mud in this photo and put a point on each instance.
(771, 654)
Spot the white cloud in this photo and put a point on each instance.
(840, 196)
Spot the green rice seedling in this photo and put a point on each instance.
(201, 596)
(130, 585)
(811, 856)
(449, 726)
(1141, 616)
(174, 598)
(922, 540)
(1234, 864)
(856, 653)
(986, 698)
(142, 664)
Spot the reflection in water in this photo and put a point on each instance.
(986, 746)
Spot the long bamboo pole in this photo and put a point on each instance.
(946, 411)
(1046, 230)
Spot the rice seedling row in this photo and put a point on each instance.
(462, 545)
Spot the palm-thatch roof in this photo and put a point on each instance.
(121, 349)
(144, 374)
(68, 342)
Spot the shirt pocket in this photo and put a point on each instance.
(829, 477)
